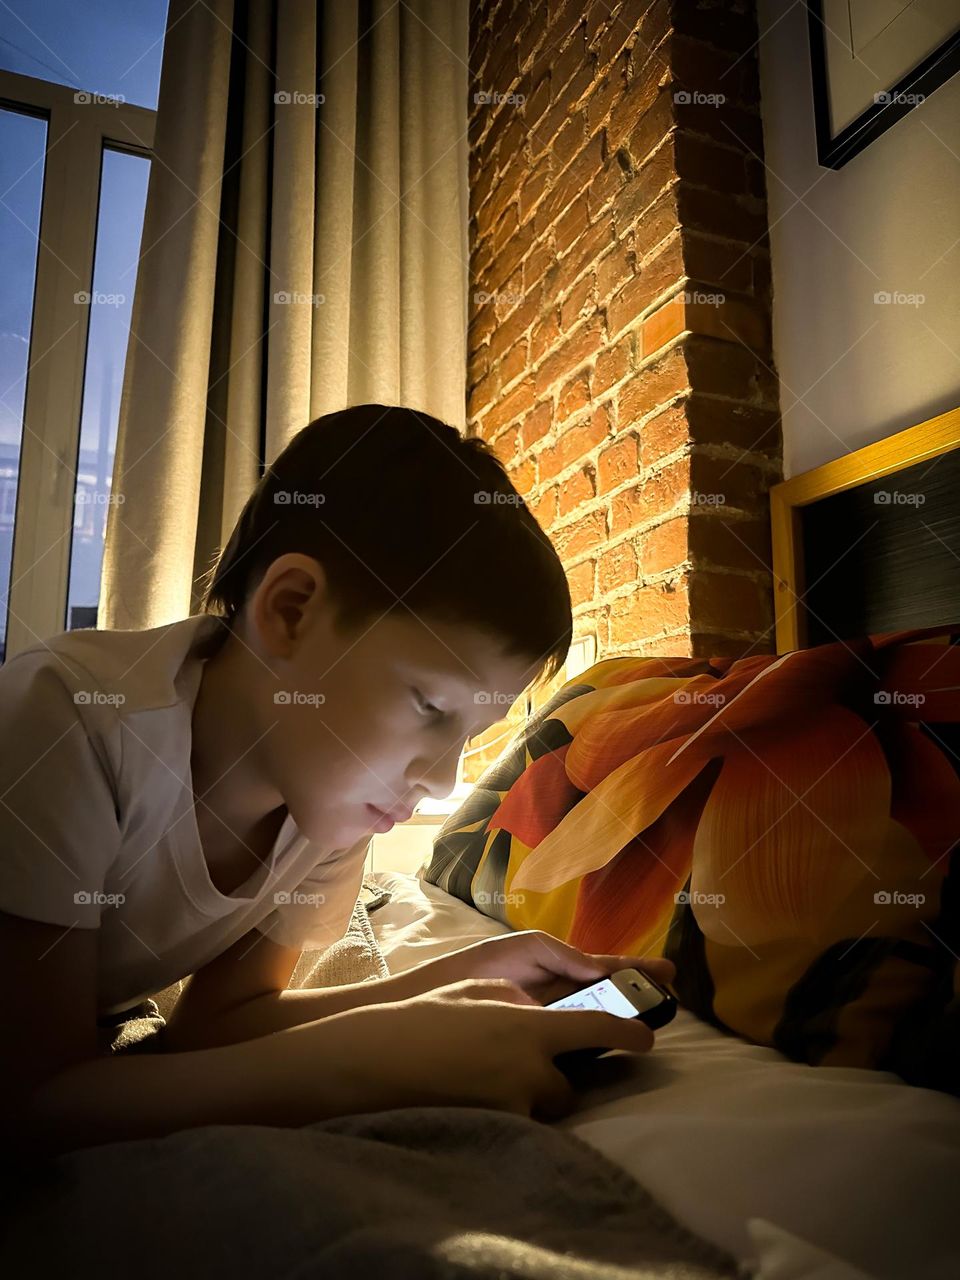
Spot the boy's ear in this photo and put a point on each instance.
(291, 598)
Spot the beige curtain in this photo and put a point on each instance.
(298, 256)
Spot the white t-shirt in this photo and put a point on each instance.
(97, 822)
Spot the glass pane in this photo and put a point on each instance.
(113, 47)
(123, 194)
(23, 141)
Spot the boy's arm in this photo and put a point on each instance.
(277, 1080)
(241, 995)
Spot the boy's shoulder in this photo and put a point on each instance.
(132, 670)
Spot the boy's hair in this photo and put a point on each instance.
(394, 503)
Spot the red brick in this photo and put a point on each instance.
(649, 610)
(571, 225)
(706, 164)
(656, 174)
(573, 397)
(653, 496)
(665, 547)
(730, 602)
(580, 580)
(617, 464)
(538, 262)
(737, 217)
(532, 189)
(585, 534)
(715, 261)
(576, 490)
(732, 482)
(614, 269)
(579, 304)
(725, 123)
(653, 127)
(617, 567)
(632, 106)
(535, 425)
(514, 362)
(650, 387)
(604, 189)
(730, 318)
(574, 350)
(721, 368)
(544, 510)
(730, 542)
(587, 249)
(659, 223)
(524, 475)
(544, 334)
(751, 428)
(605, 96)
(612, 364)
(664, 433)
(515, 403)
(574, 443)
(638, 294)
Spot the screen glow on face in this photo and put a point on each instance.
(603, 995)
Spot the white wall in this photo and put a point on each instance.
(853, 371)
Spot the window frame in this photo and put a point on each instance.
(77, 135)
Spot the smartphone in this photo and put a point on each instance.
(628, 993)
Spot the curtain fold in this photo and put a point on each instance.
(304, 248)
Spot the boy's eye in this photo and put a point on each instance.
(427, 708)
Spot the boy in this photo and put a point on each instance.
(198, 799)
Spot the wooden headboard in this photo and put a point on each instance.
(870, 542)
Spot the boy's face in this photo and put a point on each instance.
(370, 722)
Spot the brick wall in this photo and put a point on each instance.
(619, 338)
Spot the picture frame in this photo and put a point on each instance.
(855, 103)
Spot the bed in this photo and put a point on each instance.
(813, 1172)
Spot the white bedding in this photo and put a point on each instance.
(824, 1173)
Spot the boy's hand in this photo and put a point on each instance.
(542, 966)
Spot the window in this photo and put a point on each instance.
(78, 94)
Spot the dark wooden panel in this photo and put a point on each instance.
(875, 563)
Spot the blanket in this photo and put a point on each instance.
(419, 1193)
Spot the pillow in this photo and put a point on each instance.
(783, 827)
